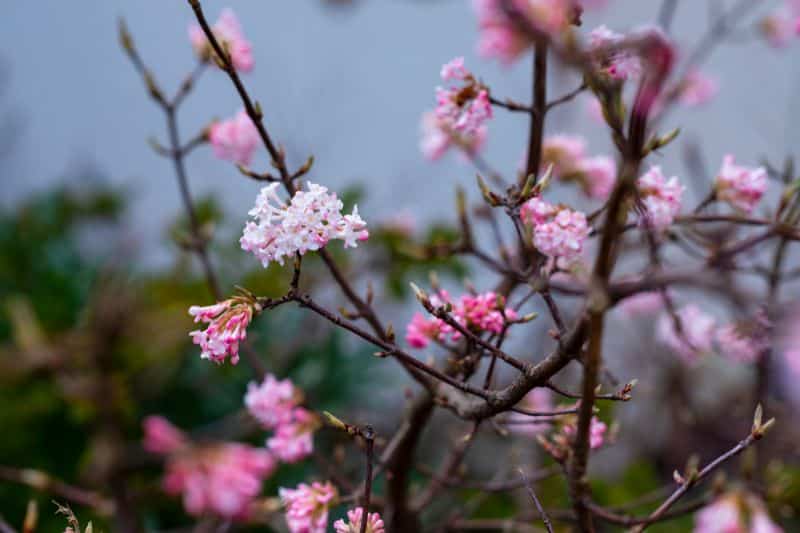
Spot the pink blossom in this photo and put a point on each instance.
(780, 26)
(463, 114)
(230, 36)
(161, 437)
(694, 339)
(661, 198)
(538, 400)
(557, 230)
(599, 174)
(500, 35)
(642, 303)
(479, 313)
(611, 57)
(272, 401)
(741, 187)
(353, 524)
(307, 506)
(454, 70)
(293, 440)
(227, 327)
(741, 342)
(564, 152)
(722, 516)
(597, 432)
(697, 89)
(309, 222)
(235, 139)
(762, 523)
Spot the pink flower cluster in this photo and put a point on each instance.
(741, 342)
(597, 432)
(735, 513)
(642, 303)
(695, 336)
(501, 36)
(234, 139)
(353, 524)
(460, 116)
(739, 186)
(780, 26)
(230, 36)
(307, 506)
(661, 198)
(227, 327)
(275, 404)
(567, 154)
(557, 230)
(479, 313)
(611, 57)
(309, 222)
(221, 479)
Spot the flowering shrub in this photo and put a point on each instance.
(529, 375)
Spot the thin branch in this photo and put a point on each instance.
(532, 494)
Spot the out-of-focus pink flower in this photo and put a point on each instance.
(234, 139)
(661, 198)
(307, 506)
(741, 342)
(161, 437)
(697, 89)
(220, 479)
(309, 222)
(479, 313)
(564, 152)
(780, 26)
(610, 57)
(599, 174)
(353, 524)
(741, 187)
(597, 432)
(539, 400)
(227, 327)
(230, 36)
(642, 303)
(558, 231)
(271, 402)
(731, 512)
(293, 440)
(695, 337)
(501, 36)
(400, 222)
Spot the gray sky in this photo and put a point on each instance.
(348, 86)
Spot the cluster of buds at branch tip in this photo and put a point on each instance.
(535, 187)
(365, 432)
(490, 197)
(759, 428)
(690, 472)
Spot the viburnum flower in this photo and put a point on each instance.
(353, 524)
(661, 198)
(735, 512)
(227, 327)
(309, 222)
(564, 152)
(610, 57)
(230, 36)
(597, 176)
(220, 479)
(780, 26)
(293, 440)
(461, 113)
(234, 139)
(597, 432)
(570, 163)
(697, 89)
(558, 231)
(479, 313)
(501, 36)
(162, 437)
(272, 401)
(740, 342)
(695, 337)
(307, 506)
(540, 400)
(642, 303)
(739, 186)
